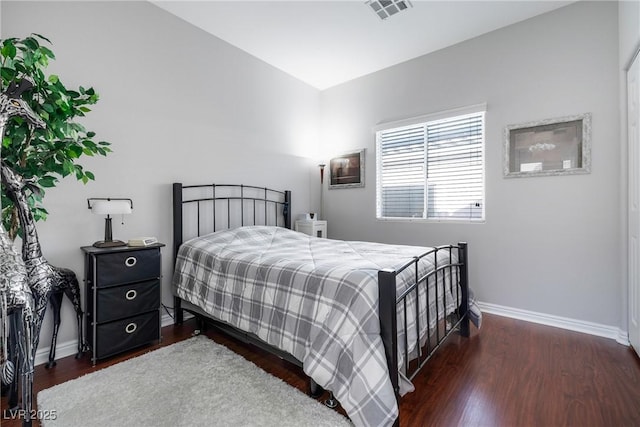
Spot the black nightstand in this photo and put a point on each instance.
(122, 294)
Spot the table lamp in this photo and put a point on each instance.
(109, 206)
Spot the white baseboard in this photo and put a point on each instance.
(612, 332)
(64, 349)
(70, 348)
(622, 337)
(166, 320)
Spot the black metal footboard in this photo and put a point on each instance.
(453, 274)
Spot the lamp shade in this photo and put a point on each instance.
(111, 207)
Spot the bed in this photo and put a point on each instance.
(360, 318)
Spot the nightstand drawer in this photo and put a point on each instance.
(117, 302)
(126, 267)
(125, 334)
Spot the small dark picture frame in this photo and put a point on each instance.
(347, 170)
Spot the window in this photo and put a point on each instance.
(432, 167)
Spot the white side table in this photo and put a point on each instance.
(312, 228)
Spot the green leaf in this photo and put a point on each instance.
(8, 50)
(20, 68)
(10, 40)
(75, 151)
(40, 214)
(67, 167)
(9, 63)
(28, 59)
(8, 74)
(47, 181)
(31, 43)
(89, 144)
(79, 173)
(47, 52)
(41, 37)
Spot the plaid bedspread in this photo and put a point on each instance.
(316, 299)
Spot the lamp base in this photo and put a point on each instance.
(109, 244)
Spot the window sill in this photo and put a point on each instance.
(434, 220)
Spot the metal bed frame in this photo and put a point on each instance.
(249, 202)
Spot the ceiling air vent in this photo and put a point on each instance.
(386, 8)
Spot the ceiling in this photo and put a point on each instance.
(325, 43)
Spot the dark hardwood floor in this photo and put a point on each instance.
(512, 373)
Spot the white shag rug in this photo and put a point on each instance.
(191, 383)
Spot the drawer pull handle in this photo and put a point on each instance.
(131, 294)
(130, 328)
(130, 261)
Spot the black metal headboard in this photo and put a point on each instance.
(202, 209)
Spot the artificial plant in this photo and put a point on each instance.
(44, 155)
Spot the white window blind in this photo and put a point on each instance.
(432, 170)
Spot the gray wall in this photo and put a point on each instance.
(629, 31)
(178, 105)
(549, 244)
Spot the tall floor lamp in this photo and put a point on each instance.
(321, 166)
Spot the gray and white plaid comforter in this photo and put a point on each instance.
(316, 299)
